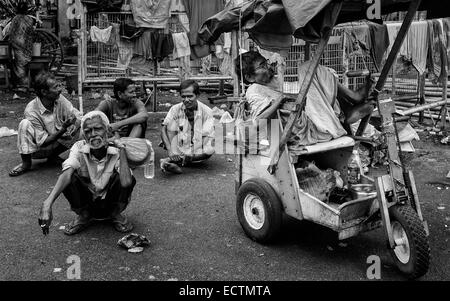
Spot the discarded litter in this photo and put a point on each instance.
(136, 250)
(229, 160)
(133, 240)
(445, 140)
(6, 132)
(62, 227)
(342, 244)
(151, 277)
(330, 248)
(172, 279)
(441, 208)
(260, 255)
(57, 270)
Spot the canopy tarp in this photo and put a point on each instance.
(272, 23)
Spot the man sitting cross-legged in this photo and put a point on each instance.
(127, 115)
(188, 130)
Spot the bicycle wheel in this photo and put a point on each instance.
(50, 46)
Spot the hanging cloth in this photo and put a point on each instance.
(100, 35)
(181, 45)
(417, 40)
(436, 50)
(151, 13)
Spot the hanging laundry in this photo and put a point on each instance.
(436, 59)
(151, 13)
(177, 6)
(100, 35)
(125, 50)
(115, 36)
(368, 39)
(379, 42)
(181, 45)
(162, 45)
(130, 31)
(227, 42)
(184, 21)
(446, 22)
(417, 39)
(143, 44)
(392, 29)
(198, 11)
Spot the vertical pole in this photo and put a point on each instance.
(345, 60)
(81, 55)
(307, 51)
(394, 90)
(234, 54)
(444, 97)
(421, 85)
(155, 85)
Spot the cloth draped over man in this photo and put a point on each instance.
(321, 121)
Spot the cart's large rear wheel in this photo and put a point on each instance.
(412, 251)
(259, 210)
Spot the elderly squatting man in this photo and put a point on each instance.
(95, 179)
(50, 127)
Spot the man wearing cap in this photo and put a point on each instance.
(95, 179)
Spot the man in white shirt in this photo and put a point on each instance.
(95, 179)
(188, 130)
(50, 127)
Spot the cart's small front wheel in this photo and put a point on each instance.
(259, 210)
(412, 251)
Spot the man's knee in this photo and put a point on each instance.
(26, 137)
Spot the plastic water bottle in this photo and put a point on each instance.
(354, 168)
(149, 167)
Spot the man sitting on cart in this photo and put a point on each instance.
(127, 115)
(188, 130)
(329, 106)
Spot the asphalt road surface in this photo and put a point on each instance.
(191, 222)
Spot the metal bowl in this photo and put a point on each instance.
(362, 190)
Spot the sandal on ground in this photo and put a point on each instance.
(171, 167)
(18, 170)
(121, 224)
(77, 225)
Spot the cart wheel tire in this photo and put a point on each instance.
(259, 210)
(412, 253)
